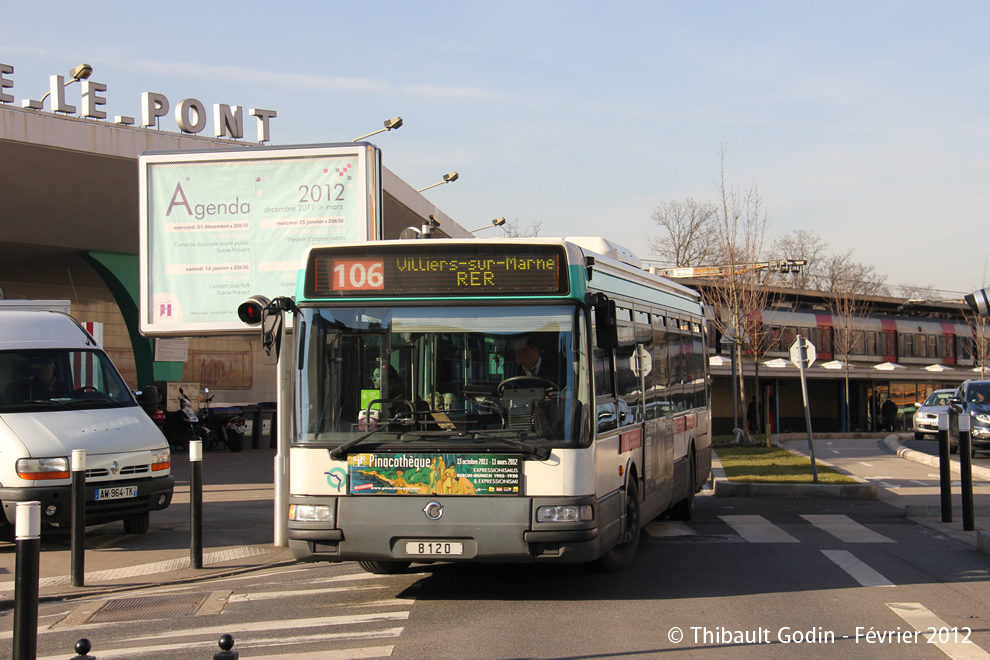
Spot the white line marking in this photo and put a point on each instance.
(149, 569)
(271, 595)
(866, 464)
(350, 576)
(921, 619)
(920, 483)
(757, 529)
(859, 571)
(264, 626)
(836, 451)
(846, 529)
(345, 654)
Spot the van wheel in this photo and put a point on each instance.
(384, 567)
(620, 556)
(137, 525)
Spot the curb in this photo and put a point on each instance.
(722, 487)
(892, 444)
(836, 491)
(84, 592)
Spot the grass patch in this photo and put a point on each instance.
(774, 465)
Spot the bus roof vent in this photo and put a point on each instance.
(606, 248)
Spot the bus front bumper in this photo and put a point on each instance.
(484, 529)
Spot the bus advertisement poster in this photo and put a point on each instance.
(434, 474)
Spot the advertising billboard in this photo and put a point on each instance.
(220, 225)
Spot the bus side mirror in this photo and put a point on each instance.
(606, 327)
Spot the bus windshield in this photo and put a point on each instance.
(481, 375)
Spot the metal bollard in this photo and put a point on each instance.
(196, 504)
(966, 472)
(82, 650)
(226, 643)
(944, 467)
(78, 531)
(27, 538)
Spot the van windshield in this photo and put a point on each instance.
(54, 379)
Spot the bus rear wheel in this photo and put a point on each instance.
(620, 556)
(384, 567)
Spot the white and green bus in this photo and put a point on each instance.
(511, 400)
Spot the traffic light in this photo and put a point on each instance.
(252, 310)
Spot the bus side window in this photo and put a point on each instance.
(627, 382)
(605, 407)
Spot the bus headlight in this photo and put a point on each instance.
(564, 513)
(37, 469)
(311, 513)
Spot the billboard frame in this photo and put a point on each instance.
(179, 258)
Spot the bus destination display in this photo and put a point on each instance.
(452, 270)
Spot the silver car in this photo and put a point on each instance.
(926, 417)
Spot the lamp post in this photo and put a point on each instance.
(78, 72)
(449, 177)
(497, 222)
(390, 124)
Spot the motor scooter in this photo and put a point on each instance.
(221, 431)
(183, 425)
(151, 402)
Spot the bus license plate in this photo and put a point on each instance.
(442, 548)
(118, 493)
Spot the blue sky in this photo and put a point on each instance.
(866, 122)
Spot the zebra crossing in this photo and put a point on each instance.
(757, 529)
(351, 616)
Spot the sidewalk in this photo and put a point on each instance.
(916, 489)
(238, 535)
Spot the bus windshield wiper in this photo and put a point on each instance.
(540, 453)
(341, 451)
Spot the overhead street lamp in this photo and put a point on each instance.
(497, 222)
(449, 177)
(394, 122)
(79, 72)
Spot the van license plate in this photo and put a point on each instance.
(118, 493)
(443, 548)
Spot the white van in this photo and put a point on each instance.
(59, 392)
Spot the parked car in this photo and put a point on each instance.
(974, 397)
(926, 416)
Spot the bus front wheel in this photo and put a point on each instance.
(384, 567)
(620, 556)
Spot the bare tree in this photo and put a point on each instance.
(738, 297)
(511, 229)
(847, 304)
(913, 292)
(801, 244)
(839, 272)
(686, 231)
